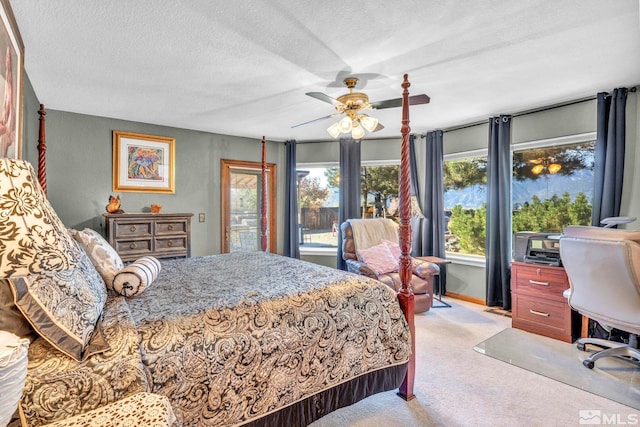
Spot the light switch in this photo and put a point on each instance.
(201, 217)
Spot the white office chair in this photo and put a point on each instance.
(603, 266)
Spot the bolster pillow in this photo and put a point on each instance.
(136, 277)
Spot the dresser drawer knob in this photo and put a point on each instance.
(132, 228)
(535, 282)
(170, 227)
(539, 313)
(132, 245)
(170, 243)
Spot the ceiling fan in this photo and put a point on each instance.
(351, 104)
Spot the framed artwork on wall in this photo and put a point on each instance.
(11, 74)
(143, 163)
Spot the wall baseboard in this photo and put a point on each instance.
(465, 298)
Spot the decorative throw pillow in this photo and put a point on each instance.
(105, 259)
(137, 276)
(64, 307)
(394, 248)
(33, 239)
(379, 258)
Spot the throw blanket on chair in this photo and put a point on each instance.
(371, 232)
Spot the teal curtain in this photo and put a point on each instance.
(609, 155)
(498, 238)
(349, 200)
(291, 247)
(433, 203)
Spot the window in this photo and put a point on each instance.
(552, 186)
(465, 195)
(318, 199)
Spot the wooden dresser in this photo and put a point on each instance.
(538, 305)
(162, 235)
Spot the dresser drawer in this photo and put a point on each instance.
(170, 227)
(132, 229)
(166, 244)
(130, 250)
(540, 281)
(542, 316)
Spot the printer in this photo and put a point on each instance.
(537, 248)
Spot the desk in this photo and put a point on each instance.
(441, 262)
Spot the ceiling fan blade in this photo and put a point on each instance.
(316, 120)
(397, 102)
(323, 97)
(379, 127)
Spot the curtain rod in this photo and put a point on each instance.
(521, 113)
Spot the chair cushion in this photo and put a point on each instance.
(379, 258)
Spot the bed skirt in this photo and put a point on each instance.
(306, 411)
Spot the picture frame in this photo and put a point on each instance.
(143, 163)
(11, 83)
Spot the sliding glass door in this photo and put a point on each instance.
(241, 192)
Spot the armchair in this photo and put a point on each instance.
(603, 266)
(360, 235)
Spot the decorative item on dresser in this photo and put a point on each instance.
(538, 303)
(133, 235)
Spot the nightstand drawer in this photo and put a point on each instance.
(132, 229)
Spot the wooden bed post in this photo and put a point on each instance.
(42, 148)
(263, 200)
(405, 295)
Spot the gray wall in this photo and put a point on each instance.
(79, 170)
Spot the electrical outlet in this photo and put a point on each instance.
(201, 217)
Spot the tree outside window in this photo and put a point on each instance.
(551, 188)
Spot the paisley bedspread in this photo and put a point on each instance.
(230, 338)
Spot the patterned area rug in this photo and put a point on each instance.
(611, 378)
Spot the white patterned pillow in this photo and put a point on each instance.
(32, 237)
(64, 306)
(379, 258)
(137, 276)
(102, 255)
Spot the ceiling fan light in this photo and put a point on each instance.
(345, 124)
(554, 168)
(357, 132)
(369, 123)
(537, 169)
(334, 130)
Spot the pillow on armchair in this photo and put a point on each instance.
(379, 258)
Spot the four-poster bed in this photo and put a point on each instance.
(243, 338)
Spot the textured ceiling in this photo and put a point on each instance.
(243, 67)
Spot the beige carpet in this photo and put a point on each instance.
(457, 386)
